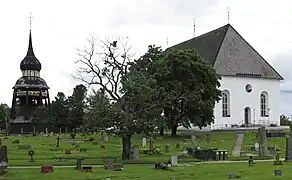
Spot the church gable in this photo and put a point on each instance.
(236, 57)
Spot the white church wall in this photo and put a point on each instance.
(239, 99)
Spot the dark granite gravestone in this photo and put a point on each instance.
(78, 164)
(58, 141)
(262, 137)
(288, 156)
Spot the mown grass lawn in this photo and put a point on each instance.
(94, 153)
(261, 171)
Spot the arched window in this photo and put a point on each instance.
(264, 104)
(225, 103)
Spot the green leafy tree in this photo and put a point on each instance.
(285, 121)
(4, 115)
(77, 106)
(192, 90)
(59, 110)
(98, 111)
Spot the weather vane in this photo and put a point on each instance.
(194, 26)
(30, 18)
(228, 14)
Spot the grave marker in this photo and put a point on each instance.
(288, 156)
(167, 148)
(135, 153)
(144, 142)
(105, 138)
(263, 148)
(47, 131)
(174, 160)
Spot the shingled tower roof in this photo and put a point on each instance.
(30, 62)
(230, 54)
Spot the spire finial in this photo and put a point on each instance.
(30, 18)
(194, 27)
(228, 14)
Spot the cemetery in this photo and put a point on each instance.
(201, 155)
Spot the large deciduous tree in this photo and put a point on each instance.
(103, 63)
(191, 84)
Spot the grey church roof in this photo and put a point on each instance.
(230, 54)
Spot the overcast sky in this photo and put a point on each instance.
(61, 26)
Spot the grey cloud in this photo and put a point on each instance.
(160, 13)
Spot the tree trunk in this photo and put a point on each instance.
(126, 147)
(174, 129)
(161, 131)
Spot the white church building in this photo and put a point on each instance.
(250, 85)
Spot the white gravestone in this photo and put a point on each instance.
(256, 146)
(21, 131)
(144, 142)
(173, 160)
(46, 130)
(105, 138)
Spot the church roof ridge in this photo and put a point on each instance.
(214, 46)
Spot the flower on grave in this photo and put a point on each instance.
(145, 149)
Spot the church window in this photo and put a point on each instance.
(225, 103)
(32, 73)
(264, 104)
(248, 88)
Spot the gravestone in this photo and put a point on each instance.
(66, 130)
(78, 164)
(21, 131)
(177, 145)
(60, 130)
(58, 141)
(288, 155)
(47, 131)
(105, 138)
(256, 146)
(144, 142)
(33, 129)
(174, 160)
(278, 172)
(135, 153)
(167, 148)
(263, 148)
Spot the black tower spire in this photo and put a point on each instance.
(30, 96)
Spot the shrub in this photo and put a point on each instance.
(16, 141)
(95, 143)
(73, 135)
